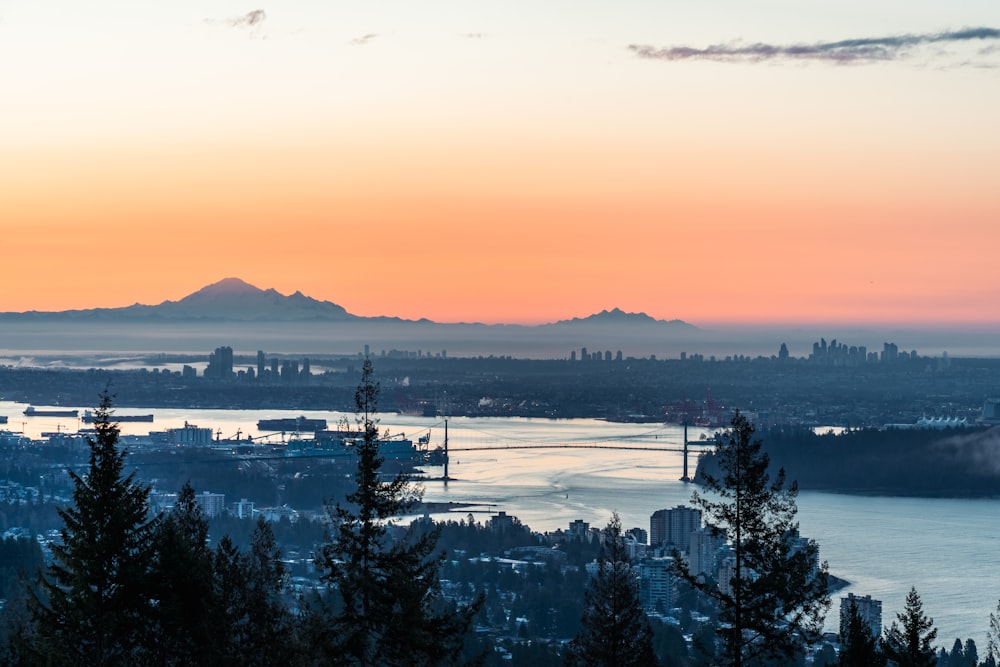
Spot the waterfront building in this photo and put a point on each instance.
(579, 530)
(656, 584)
(870, 611)
(501, 522)
(190, 435)
(673, 527)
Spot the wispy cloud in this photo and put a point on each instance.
(364, 39)
(862, 50)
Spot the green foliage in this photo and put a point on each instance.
(778, 595)
(911, 645)
(387, 608)
(95, 604)
(614, 631)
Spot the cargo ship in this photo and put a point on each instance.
(31, 411)
(89, 418)
(299, 424)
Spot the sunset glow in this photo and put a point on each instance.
(505, 163)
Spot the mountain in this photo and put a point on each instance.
(233, 299)
(229, 300)
(619, 317)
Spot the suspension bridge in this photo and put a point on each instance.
(473, 440)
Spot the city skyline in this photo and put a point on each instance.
(739, 163)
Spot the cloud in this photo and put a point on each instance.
(364, 39)
(862, 50)
(248, 20)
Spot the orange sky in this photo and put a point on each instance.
(502, 174)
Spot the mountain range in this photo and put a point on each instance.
(235, 313)
(234, 300)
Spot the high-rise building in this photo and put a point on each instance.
(703, 554)
(578, 529)
(220, 363)
(656, 584)
(212, 504)
(673, 527)
(727, 570)
(870, 611)
(261, 364)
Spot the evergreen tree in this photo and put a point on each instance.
(993, 639)
(182, 580)
(911, 645)
(387, 608)
(253, 625)
(777, 597)
(94, 606)
(859, 647)
(826, 656)
(956, 658)
(971, 654)
(614, 630)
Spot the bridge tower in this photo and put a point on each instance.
(685, 477)
(445, 478)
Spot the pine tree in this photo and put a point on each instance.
(253, 625)
(911, 645)
(95, 604)
(777, 597)
(971, 653)
(993, 638)
(182, 579)
(387, 607)
(956, 658)
(859, 647)
(614, 629)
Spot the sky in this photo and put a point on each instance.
(726, 161)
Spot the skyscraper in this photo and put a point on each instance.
(673, 527)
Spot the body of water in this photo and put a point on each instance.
(949, 549)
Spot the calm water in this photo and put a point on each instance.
(948, 548)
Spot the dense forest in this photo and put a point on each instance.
(902, 462)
